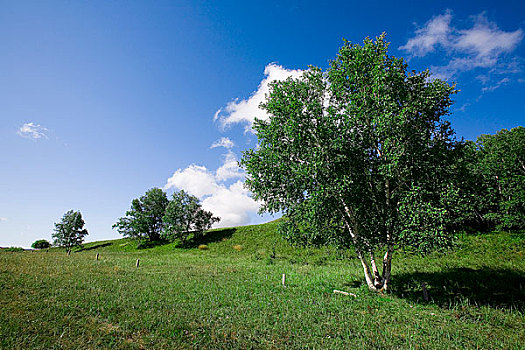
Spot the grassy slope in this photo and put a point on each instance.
(225, 298)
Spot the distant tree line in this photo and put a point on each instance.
(490, 181)
(154, 217)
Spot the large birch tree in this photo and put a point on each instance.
(358, 155)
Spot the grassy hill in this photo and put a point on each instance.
(230, 295)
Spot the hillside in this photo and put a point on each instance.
(230, 295)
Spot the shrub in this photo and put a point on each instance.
(13, 249)
(41, 244)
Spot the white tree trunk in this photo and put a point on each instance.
(387, 268)
(374, 279)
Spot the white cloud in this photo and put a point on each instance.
(485, 39)
(195, 179)
(435, 31)
(223, 142)
(3, 219)
(229, 169)
(481, 46)
(32, 131)
(232, 203)
(245, 111)
(463, 108)
(495, 86)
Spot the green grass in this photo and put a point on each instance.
(226, 297)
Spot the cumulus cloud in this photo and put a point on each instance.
(3, 219)
(245, 111)
(229, 169)
(195, 179)
(232, 203)
(32, 131)
(223, 142)
(484, 45)
(222, 191)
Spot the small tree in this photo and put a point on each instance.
(70, 231)
(41, 244)
(357, 156)
(184, 215)
(144, 219)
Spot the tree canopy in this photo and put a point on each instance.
(144, 219)
(358, 155)
(492, 180)
(154, 217)
(41, 244)
(184, 215)
(70, 231)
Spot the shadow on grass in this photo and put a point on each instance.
(96, 246)
(354, 283)
(498, 288)
(209, 237)
(144, 244)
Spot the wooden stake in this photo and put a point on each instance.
(97, 256)
(138, 262)
(425, 292)
(345, 293)
(68, 252)
(284, 280)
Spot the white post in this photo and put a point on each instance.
(344, 293)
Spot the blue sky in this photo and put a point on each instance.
(100, 101)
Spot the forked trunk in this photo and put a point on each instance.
(374, 280)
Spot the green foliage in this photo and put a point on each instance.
(424, 225)
(155, 218)
(70, 232)
(184, 215)
(41, 244)
(490, 181)
(344, 150)
(144, 219)
(305, 225)
(501, 163)
(12, 249)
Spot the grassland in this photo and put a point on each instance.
(231, 296)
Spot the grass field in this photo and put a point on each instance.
(231, 296)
